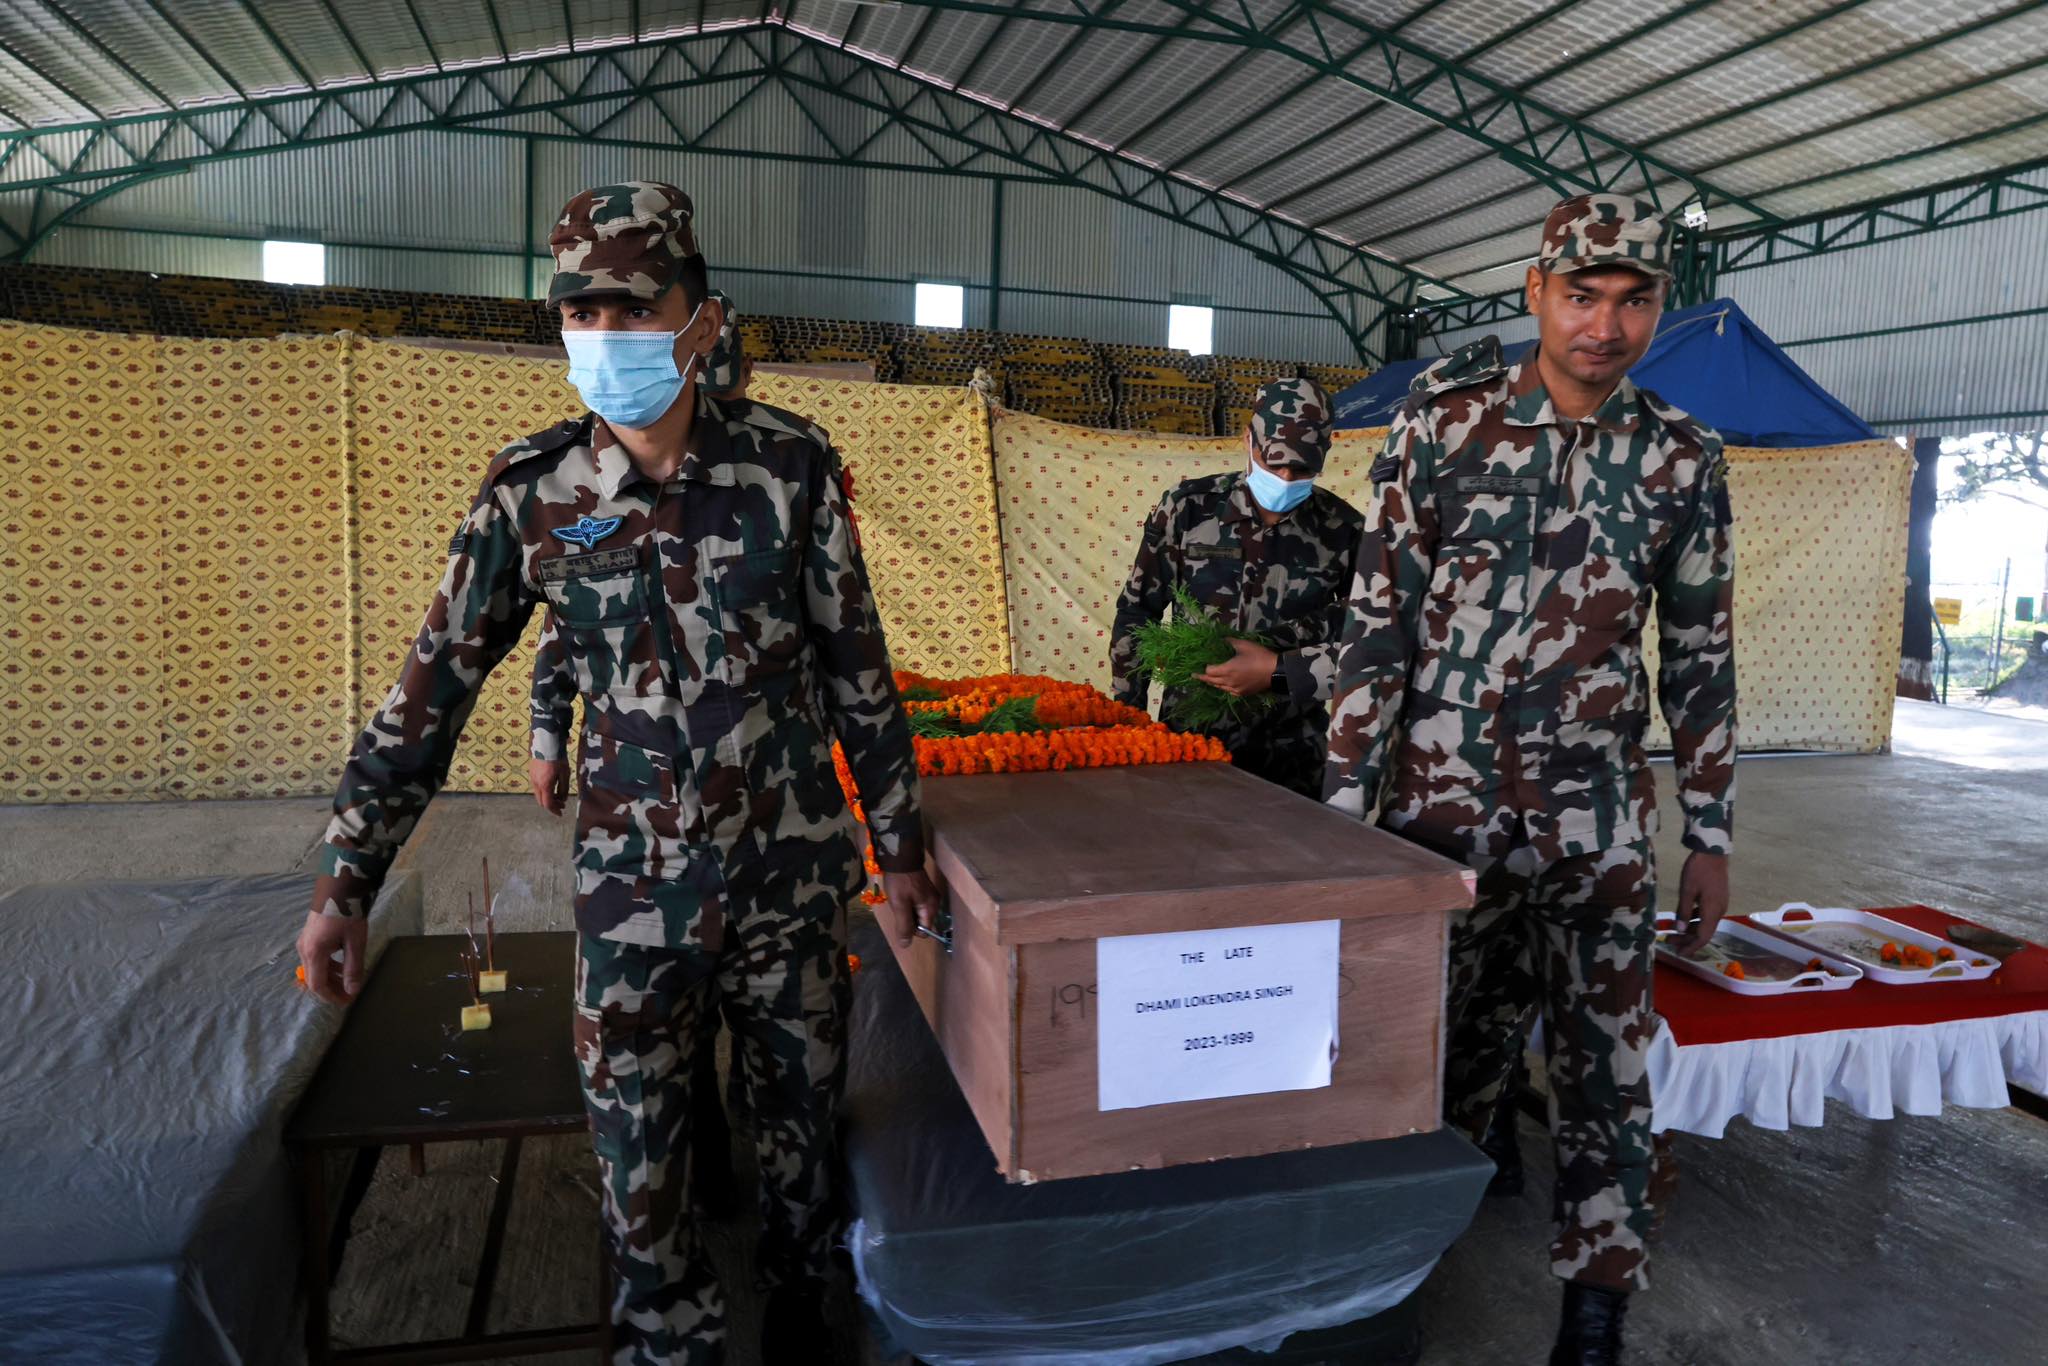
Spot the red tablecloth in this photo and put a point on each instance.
(1698, 1013)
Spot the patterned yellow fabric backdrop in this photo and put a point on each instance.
(214, 553)
(1820, 564)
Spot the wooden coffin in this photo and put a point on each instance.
(1038, 866)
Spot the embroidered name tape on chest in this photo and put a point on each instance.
(1215, 552)
(562, 567)
(1524, 485)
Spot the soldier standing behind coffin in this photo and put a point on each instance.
(1491, 681)
(1270, 553)
(702, 566)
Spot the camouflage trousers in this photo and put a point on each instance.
(1571, 940)
(644, 1017)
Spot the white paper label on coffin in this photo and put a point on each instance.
(1212, 1013)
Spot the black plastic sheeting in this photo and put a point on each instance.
(156, 1040)
(962, 1269)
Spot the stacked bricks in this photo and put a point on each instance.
(1144, 388)
(223, 308)
(757, 339)
(1156, 392)
(945, 356)
(1335, 379)
(1056, 378)
(1238, 380)
(819, 341)
(102, 300)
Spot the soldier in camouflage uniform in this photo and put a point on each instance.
(701, 562)
(712, 1189)
(1270, 554)
(1491, 700)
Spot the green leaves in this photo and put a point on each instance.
(1176, 652)
(1010, 717)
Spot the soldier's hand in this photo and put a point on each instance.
(1702, 899)
(1246, 674)
(319, 941)
(913, 901)
(549, 779)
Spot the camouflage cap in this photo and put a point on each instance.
(1291, 423)
(726, 364)
(621, 239)
(1592, 230)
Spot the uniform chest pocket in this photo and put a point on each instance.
(1483, 553)
(759, 596)
(605, 588)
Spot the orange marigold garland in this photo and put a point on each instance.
(1089, 730)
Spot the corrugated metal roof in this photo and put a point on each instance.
(1800, 106)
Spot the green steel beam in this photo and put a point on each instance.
(170, 21)
(568, 25)
(1403, 144)
(106, 53)
(1545, 143)
(1975, 200)
(860, 16)
(724, 269)
(498, 30)
(1982, 135)
(1508, 34)
(1236, 126)
(1110, 86)
(1744, 230)
(1883, 59)
(420, 27)
(40, 228)
(47, 79)
(1058, 61)
(1904, 329)
(963, 137)
(1804, 87)
(1684, 74)
(255, 16)
(909, 49)
(1956, 204)
(348, 36)
(1199, 90)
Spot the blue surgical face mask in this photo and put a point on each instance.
(628, 378)
(1275, 494)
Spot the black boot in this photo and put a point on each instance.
(1590, 1332)
(1500, 1144)
(793, 1330)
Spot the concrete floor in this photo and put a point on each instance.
(1881, 1244)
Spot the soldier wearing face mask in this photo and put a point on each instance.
(701, 563)
(1270, 554)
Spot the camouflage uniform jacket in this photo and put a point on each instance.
(721, 632)
(1285, 582)
(1493, 645)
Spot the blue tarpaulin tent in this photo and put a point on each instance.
(1710, 360)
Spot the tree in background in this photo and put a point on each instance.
(2000, 463)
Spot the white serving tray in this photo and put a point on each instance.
(1734, 941)
(1855, 938)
